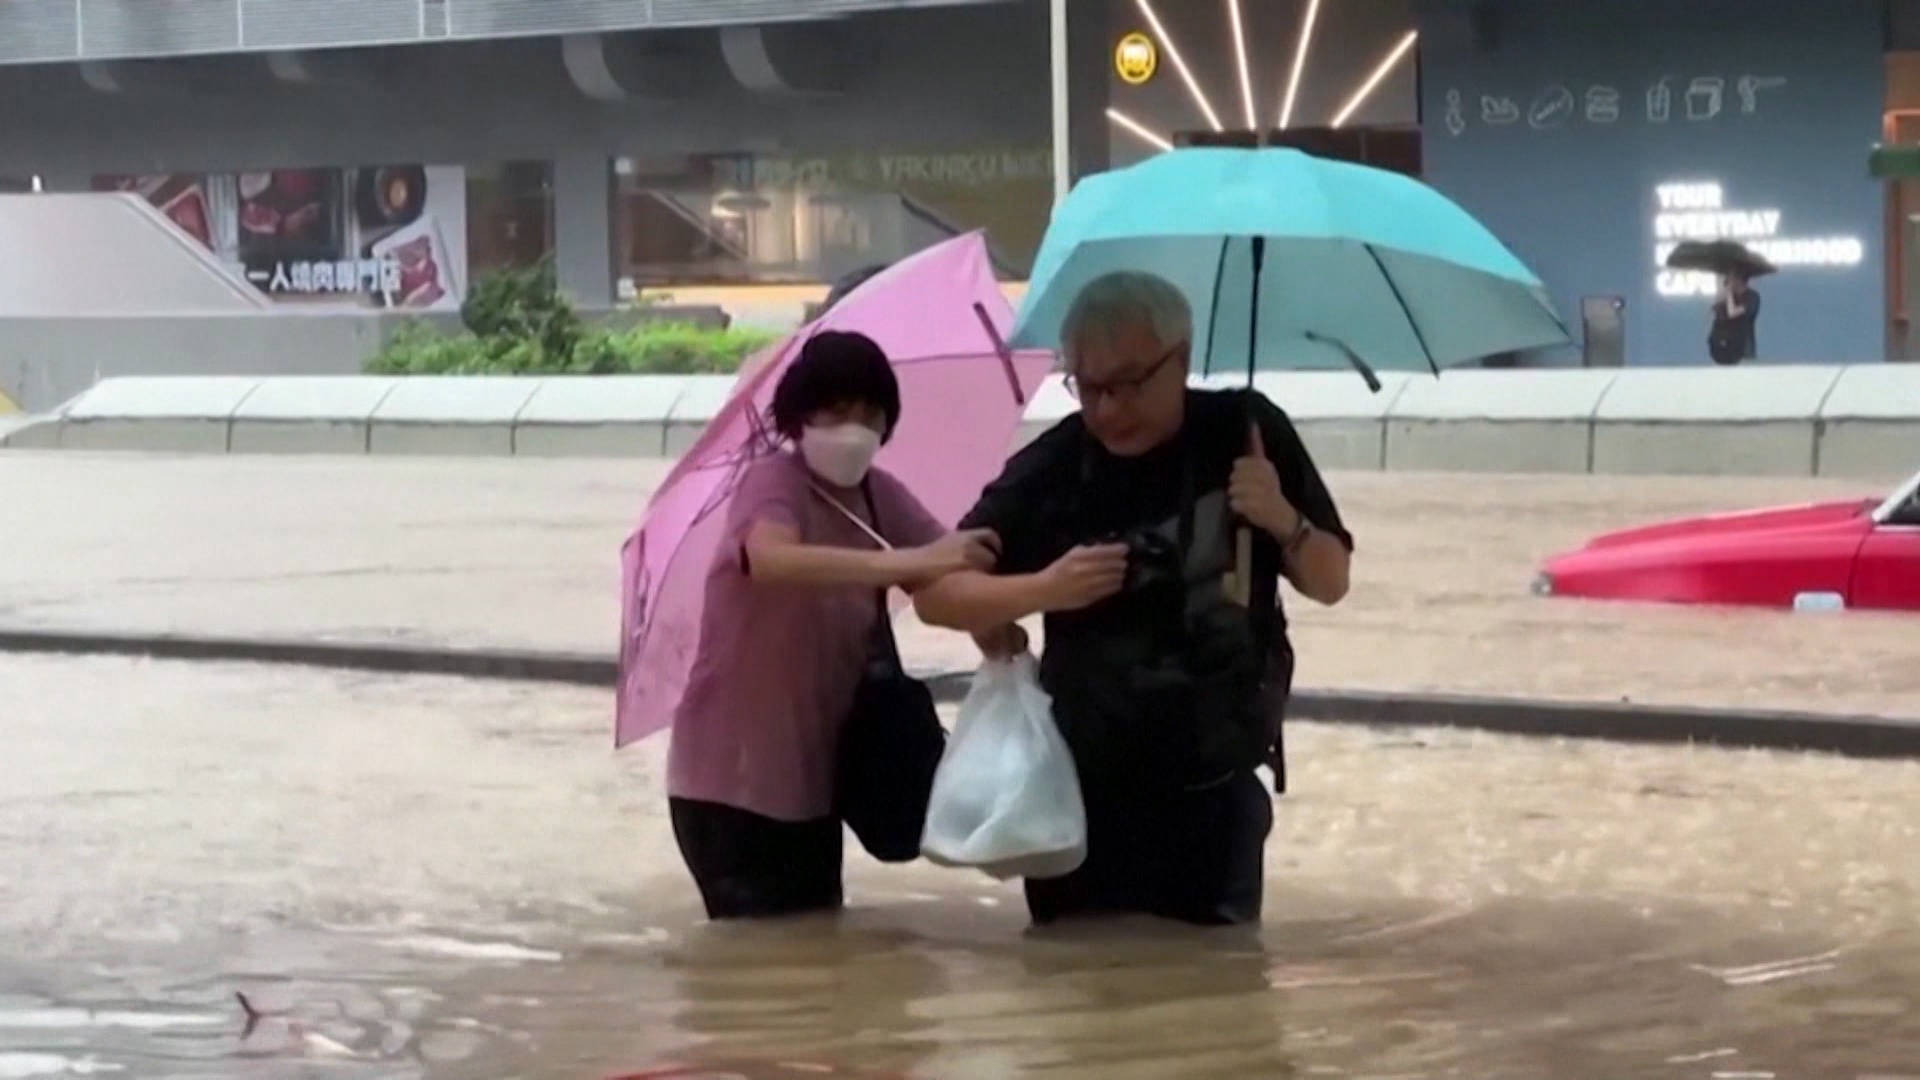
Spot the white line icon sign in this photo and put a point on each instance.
(1706, 96)
(1603, 105)
(1659, 102)
(1456, 114)
(1499, 110)
(1552, 108)
(1750, 87)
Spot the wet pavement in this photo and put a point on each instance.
(523, 553)
(433, 877)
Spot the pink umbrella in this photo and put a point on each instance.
(941, 318)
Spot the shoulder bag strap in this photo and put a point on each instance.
(890, 646)
(872, 531)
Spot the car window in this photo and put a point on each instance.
(1907, 513)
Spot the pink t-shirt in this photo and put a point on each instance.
(778, 665)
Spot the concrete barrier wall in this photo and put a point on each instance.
(310, 415)
(1497, 421)
(1871, 416)
(1754, 420)
(1790, 421)
(45, 361)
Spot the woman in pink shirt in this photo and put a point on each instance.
(789, 625)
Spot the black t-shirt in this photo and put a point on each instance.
(1064, 490)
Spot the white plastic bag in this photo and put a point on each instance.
(1006, 798)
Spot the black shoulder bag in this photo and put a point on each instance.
(892, 741)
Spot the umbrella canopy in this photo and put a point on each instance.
(1719, 257)
(1295, 262)
(942, 320)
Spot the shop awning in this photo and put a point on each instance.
(1900, 161)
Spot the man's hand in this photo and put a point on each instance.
(1003, 643)
(1254, 491)
(1085, 576)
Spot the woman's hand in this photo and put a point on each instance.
(968, 549)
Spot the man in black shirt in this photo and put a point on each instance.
(1119, 526)
(1736, 317)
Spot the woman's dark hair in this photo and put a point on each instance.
(835, 368)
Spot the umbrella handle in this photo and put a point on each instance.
(1240, 589)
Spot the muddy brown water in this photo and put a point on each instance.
(433, 877)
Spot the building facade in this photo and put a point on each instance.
(1593, 137)
(695, 143)
(389, 151)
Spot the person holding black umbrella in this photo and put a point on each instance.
(1735, 312)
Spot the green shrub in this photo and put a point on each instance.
(419, 349)
(518, 324)
(523, 305)
(684, 349)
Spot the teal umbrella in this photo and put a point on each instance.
(1295, 262)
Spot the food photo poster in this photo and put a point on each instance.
(383, 236)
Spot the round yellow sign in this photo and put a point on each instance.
(1136, 58)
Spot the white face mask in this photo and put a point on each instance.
(840, 454)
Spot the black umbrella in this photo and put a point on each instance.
(846, 284)
(1719, 257)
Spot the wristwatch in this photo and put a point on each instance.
(1301, 531)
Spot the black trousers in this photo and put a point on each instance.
(1196, 856)
(750, 866)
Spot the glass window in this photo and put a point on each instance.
(509, 215)
(772, 219)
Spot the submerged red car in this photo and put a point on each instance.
(1822, 557)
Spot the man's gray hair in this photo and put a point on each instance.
(1122, 299)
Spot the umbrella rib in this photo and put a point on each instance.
(1353, 359)
(1000, 349)
(1213, 314)
(1412, 323)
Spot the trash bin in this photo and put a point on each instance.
(1603, 324)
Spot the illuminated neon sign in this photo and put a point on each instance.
(1698, 210)
(1136, 59)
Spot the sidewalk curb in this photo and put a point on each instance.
(519, 665)
(1852, 736)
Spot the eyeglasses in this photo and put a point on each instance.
(1120, 391)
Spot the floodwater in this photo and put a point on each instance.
(435, 550)
(433, 877)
